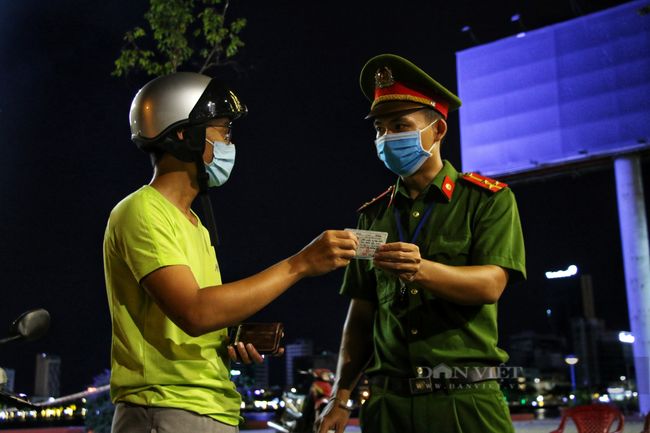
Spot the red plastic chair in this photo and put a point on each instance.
(593, 418)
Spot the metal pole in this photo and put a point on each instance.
(636, 259)
(573, 379)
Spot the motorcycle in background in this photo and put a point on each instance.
(300, 411)
(28, 326)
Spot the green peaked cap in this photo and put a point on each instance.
(396, 79)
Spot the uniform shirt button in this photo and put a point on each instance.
(414, 331)
(416, 214)
(414, 291)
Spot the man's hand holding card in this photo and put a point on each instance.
(368, 242)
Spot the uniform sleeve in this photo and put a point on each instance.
(498, 238)
(145, 237)
(359, 281)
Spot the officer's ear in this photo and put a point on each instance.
(440, 129)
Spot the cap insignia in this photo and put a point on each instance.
(384, 78)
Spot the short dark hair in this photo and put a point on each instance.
(157, 156)
(158, 153)
(431, 115)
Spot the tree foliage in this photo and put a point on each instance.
(194, 31)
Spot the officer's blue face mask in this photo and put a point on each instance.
(223, 160)
(402, 152)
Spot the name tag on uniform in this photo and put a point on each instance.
(369, 241)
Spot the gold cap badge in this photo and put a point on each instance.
(384, 78)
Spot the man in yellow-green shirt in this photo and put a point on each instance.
(170, 359)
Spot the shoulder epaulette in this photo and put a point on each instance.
(485, 182)
(389, 190)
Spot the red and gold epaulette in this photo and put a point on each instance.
(485, 182)
(389, 190)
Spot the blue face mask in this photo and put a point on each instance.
(402, 152)
(223, 160)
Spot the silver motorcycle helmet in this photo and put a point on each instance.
(181, 99)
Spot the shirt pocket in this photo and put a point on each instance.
(387, 286)
(450, 249)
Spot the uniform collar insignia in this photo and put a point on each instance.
(448, 187)
(389, 190)
(485, 182)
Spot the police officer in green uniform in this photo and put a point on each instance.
(422, 322)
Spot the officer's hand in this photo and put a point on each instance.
(333, 417)
(247, 354)
(399, 259)
(331, 250)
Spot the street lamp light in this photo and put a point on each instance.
(572, 360)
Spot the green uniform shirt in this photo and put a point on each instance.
(476, 226)
(153, 362)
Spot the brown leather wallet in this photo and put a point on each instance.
(265, 337)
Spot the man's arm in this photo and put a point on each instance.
(199, 311)
(356, 351)
(464, 285)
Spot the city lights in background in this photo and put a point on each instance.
(570, 271)
(571, 359)
(626, 337)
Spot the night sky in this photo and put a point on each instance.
(305, 161)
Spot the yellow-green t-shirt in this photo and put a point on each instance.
(153, 362)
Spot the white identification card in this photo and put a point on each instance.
(368, 242)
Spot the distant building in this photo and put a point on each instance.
(328, 360)
(261, 375)
(48, 376)
(603, 358)
(616, 359)
(575, 330)
(250, 377)
(542, 352)
(303, 349)
(10, 378)
(567, 298)
(586, 334)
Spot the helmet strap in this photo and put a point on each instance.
(202, 178)
(194, 141)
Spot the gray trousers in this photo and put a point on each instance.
(132, 418)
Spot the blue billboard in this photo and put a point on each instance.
(567, 93)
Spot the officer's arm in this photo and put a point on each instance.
(465, 285)
(356, 351)
(199, 311)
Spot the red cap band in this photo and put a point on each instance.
(411, 92)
